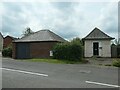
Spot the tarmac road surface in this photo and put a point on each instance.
(22, 74)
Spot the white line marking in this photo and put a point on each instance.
(24, 72)
(102, 84)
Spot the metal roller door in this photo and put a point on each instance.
(23, 50)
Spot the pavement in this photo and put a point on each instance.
(101, 61)
(23, 74)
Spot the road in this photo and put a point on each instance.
(23, 74)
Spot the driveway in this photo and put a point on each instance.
(22, 74)
(101, 61)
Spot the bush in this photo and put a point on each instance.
(116, 63)
(108, 65)
(7, 52)
(69, 50)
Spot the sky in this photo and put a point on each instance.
(67, 19)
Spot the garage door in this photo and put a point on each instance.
(23, 50)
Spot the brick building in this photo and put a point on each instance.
(7, 41)
(97, 43)
(1, 42)
(36, 45)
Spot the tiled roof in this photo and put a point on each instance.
(13, 38)
(42, 35)
(97, 34)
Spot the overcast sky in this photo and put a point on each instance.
(67, 19)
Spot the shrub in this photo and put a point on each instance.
(7, 52)
(116, 63)
(108, 65)
(68, 51)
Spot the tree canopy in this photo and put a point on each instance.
(27, 31)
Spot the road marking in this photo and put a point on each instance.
(102, 84)
(26, 72)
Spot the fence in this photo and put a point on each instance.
(115, 51)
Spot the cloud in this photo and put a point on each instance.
(67, 19)
(109, 19)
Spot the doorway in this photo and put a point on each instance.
(23, 50)
(96, 48)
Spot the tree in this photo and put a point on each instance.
(117, 42)
(27, 31)
(77, 40)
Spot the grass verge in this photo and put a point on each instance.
(116, 63)
(55, 61)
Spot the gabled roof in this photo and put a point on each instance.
(42, 35)
(13, 38)
(1, 35)
(97, 34)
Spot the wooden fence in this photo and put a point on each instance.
(115, 51)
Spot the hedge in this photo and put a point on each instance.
(69, 50)
(7, 52)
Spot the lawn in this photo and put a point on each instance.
(54, 61)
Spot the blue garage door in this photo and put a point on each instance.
(23, 50)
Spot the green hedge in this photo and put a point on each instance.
(69, 50)
(7, 52)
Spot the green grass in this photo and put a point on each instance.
(56, 61)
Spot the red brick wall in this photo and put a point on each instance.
(7, 41)
(14, 50)
(37, 49)
(41, 49)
